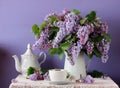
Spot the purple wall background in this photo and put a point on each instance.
(18, 16)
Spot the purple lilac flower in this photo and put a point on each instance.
(46, 76)
(60, 35)
(103, 47)
(60, 24)
(89, 79)
(46, 46)
(89, 47)
(70, 26)
(65, 28)
(47, 16)
(90, 28)
(42, 40)
(33, 77)
(70, 20)
(106, 46)
(83, 34)
(74, 51)
(36, 76)
(62, 16)
(65, 11)
(71, 16)
(71, 61)
(76, 28)
(104, 27)
(104, 58)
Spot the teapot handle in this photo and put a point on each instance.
(43, 58)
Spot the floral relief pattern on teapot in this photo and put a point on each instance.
(28, 59)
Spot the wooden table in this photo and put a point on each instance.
(22, 82)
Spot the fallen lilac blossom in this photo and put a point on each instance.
(46, 76)
(88, 79)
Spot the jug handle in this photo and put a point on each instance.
(44, 59)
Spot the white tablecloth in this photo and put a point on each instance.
(22, 82)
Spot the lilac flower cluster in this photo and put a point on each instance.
(83, 34)
(65, 28)
(86, 34)
(89, 47)
(74, 51)
(36, 76)
(88, 79)
(103, 47)
(46, 76)
(60, 35)
(47, 16)
(43, 42)
(104, 27)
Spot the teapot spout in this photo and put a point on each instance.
(17, 63)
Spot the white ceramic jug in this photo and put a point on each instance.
(76, 70)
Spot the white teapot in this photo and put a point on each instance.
(29, 59)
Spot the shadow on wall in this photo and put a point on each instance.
(4, 64)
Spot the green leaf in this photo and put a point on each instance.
(65, 45)
(74, 38)
(45, 23)
(68, 37)
(61, 55)
(68, 75)
(77, 12)
(96, 24)
(90, 55)
(58, 51)
(97, 52)
(96, 39)
(30, 70)
(91, 16)
(43, 71)
(53, 51)
(35, 30)
(53, 19)
(82, 21)
(97, 18)
(54, 28)
(95, 74)
(107, 37)
(52, 36)
(54, 31)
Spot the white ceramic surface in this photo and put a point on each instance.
(77, 69)
(58, 75)
(28, 59)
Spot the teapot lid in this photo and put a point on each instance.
(29, 51)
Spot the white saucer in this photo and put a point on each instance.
(59, 82)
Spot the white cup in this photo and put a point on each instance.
(58, 75)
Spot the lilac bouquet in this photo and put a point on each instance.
(74, 34)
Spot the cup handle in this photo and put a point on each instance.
(43, 58)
